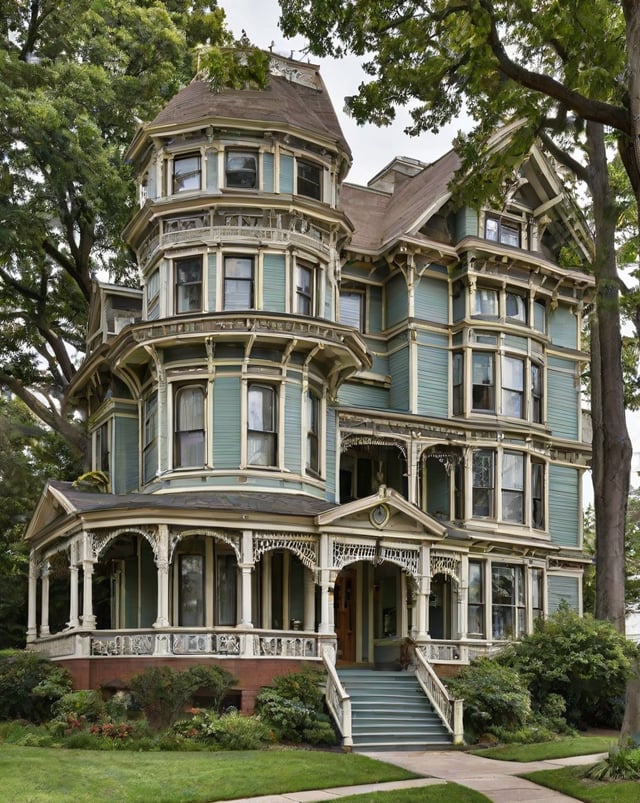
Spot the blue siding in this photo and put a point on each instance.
(562, 589)
(330, 440)
(563, 327)
(466, 223)
(212, 171)
(563, 398)
(399, 370)
(211, 282)
(433, 374)
(267, 172)
(353, 394)
(564, 508)
(432, 300)
(292, 426)
(397, 301)
(226, 422)
(512, 342)
(273, 285)
(375, 310)
(124, 469)
(286, 174)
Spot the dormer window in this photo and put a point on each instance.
(309, 180)
(186, 172)
(502, 231)
(241, 169)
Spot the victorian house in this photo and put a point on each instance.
(336, 424)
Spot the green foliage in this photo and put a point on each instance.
(231, 731)
(163, 693)
(305, 686)
(583, 660)
(85, 703)
(30, 685)
(622, 764)
(496, 699)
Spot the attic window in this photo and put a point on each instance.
(502, 231)
(241, 169)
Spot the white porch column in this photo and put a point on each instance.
(266, 590)
(247, 567)
(326, 595)
(463, 593)
(309, 601)
(402, 626)
(88, 616)
(422, 596)
(32, 617)
(162, 568)
(44, 613)
(73, 596)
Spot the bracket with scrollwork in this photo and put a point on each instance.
(304, 547)
(353, 439)
(446, 563)
(98, 543)
(345, 552)
(448, 456)
(176, 535)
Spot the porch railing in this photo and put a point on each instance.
(450, 710)
(338, 701)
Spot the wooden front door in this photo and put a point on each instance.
(344, 602)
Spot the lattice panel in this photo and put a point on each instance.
(345, 553)
(234, 541)
(446, 563)
(305, 547)
(408, 559)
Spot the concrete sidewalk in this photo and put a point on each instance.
(494, 779)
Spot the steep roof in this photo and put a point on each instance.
(283, 103)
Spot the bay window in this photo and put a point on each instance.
(513, 487)
(483, 483)
(188, 285)
(186, 172)
(309, 177)
(536, 393)
(537, 494)
(305, 290)
(475, 606)
(483, 382)
(512, 387)
(189, 427)
(516, 307)
(486, 302)
(262, 419)
(238, 283)
(499, 230)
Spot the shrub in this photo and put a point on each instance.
(495, 698)
(584, 661)
(88, 704)
(304, 686)
(231, 731)
(622, 764)
(29, 685)
(163, 693)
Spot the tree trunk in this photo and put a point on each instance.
(612, 448)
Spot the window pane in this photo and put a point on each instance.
(242, 169)
(189, 285)
(513, 487)
(150, 457)
(537, 495)
(486, 302)
(189, 427)
(540, 316)
(536, 393)
(313, 432)
(351, 309)
(304, 291)
(510, 234)
(482, 381)
(226, 592)
(516, 307)
(261, 420)
(238, 283)
(513, 387)
(458, 386)
(309, 176)
(491, 229)
(186, 173)
(191, 591)
(483, 483)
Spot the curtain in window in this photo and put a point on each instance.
(261, 435)
(190, 427)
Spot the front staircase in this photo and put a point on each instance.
(390, 711)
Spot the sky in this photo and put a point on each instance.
(372, 147)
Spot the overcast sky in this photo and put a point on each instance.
(372, 147)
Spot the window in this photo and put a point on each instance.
(150, 438)
(540, 316)
(351, 308)
(238, 283)
(188, 285)
(537, 494)
(102, 448)
(261, 426)
(516, 307)
(536, 393)
(475, 606)
(507, 598)
(458, 383)
(186, 172)
(241, 169)
(226, 587)
(191, 593)
(309, 180)
(483, 483)
(304, 304)
(512, 387)
(537, 593)
(189, 427)
(483, 382)
(486, 302)
(501, 231)
(513, 487)
(313, 433)
(153, 296)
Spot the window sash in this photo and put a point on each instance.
(313, 433)
(513, 387)
(537, 495)
(486, 302)
(241, 169)
(188, 285)
(483, 381)
(261, 426)
(238, 283)
(150, 435)
(191, 592)
(309, 180)
(186, 172)
(516, 307)
(189, 427)
(483, 483)
(536, 393)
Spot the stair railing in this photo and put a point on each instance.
(450, 710)
(338, 701)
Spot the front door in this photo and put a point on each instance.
(344, 604)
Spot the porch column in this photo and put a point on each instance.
(266, 590)
(309, 601)
(402, 627)
(326, 595)
(44, 613)
(88, 616)
(422, 595)
(413, 473)
(73, 596)
(463, 593)
(162, 569)
(247, 566)
(32, 621)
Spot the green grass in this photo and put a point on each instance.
(36, 774)
(439, 793)
(570, 782)
(541, 751)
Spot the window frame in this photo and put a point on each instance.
(150, 436)
(513, 463)
(536, 392)
(197, 560)
(305, 299)
(511, 392)
(195, 433)
(239, 280)
(486, 488)
(313, 422)
(487, 388)
(189, 174)
(301, 165)
(153, 295)
(537, 474)
(234, 152)
(486, 302)
(185, 304)
(515, 608)
(502, 226)
(262, 432)
(476, 602)
(457, 383)
(353, 294)
(521, 303)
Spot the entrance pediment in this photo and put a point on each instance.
(385, 512)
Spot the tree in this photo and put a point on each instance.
(570, 71)
(76, 78)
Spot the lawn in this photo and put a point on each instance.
(541, 751)
(569, 782)
(37, 774)
(439, 793)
